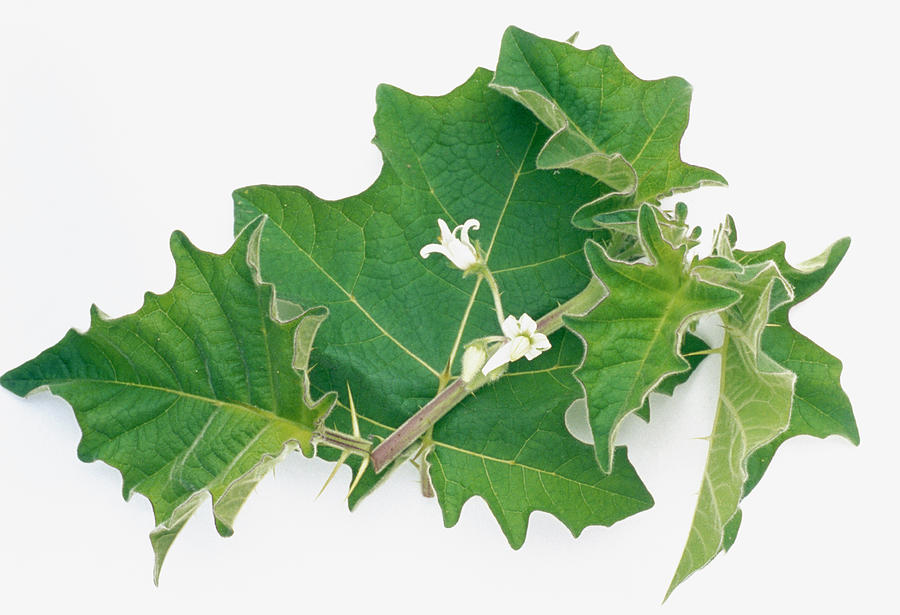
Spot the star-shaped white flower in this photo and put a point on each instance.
(522, 340)
(459, 250)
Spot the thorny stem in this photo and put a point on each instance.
(416, 426)
(343, 441)
(421, 422)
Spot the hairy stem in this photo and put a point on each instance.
(495, 291)
(579, 305)
(415, 427)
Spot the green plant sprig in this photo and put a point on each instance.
(329, 328)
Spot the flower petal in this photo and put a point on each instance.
(462, 255)
(540, 342)
(521, 345)
(431, 248)
(471, 223)
(527, 324)
(446, 235)
(510, 327)
(501, 357)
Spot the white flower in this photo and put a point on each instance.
(461, 252)
(522, 340)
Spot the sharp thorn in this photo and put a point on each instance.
(359, 475)
(353, 413)
(337, 466)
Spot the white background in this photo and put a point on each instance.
(120, 124)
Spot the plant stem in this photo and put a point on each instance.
(495, 291)
(343, 441)
(579, 305)
(445, 375)
(415, 427)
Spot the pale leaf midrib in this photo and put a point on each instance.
(538, 263)
(540, 472)
(246, 408)
(512, 188)
(666, 318)
(687, 557)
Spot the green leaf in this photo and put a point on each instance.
(754, 407)
(693, 349)
(623, 224)
(396, 318)
(820, 407)
(197, 392)
(510, 445)
(607, 123)
(633, 336)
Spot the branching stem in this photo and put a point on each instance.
(343, 441)
(418, 424)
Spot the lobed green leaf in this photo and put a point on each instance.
(194, 393)
(510, 445)
(396, 317)
(606, 122)
(633, 337)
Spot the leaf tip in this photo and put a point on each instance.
(7, 381)
(603, 453)
(225, 530)
(181, 247)
(86, 454)
(513, 31)
(840, 248)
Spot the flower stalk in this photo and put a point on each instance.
(495, 292)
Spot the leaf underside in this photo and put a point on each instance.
(194, 393)
(820, 406)
(816, 403)
(754, 408)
